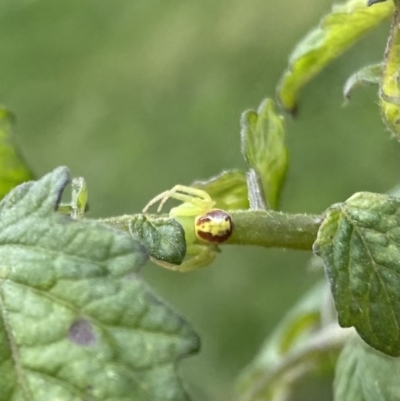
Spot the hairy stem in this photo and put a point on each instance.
(259, 227)
(274, 229)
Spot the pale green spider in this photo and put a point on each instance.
(204, 226)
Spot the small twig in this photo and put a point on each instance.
(327, 339)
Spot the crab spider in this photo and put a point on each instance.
(205, 227)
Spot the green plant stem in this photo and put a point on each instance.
(300, 361)
(274, 229)
(118, 222)
(259, 227)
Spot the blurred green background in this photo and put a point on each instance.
(137, 96)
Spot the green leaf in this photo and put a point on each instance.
(228, 190)
(359, 242)
(76, 321)
(164, 238)
(295, 346)
(371, 74)
(13, 170)
(363, 374)
(389, 93)
(263, 147)
(338, 31)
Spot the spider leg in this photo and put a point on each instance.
(154, 200)
(197, 197)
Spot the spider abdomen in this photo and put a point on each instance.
(216, 226)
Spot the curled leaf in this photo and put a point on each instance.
(369, 75)
(164, 238)
(338, 31)
(263, 147)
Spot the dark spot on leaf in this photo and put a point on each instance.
(81, 333)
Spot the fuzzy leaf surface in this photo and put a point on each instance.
(13, 170)
(337, 31)
(359, 242)
(77, 323)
